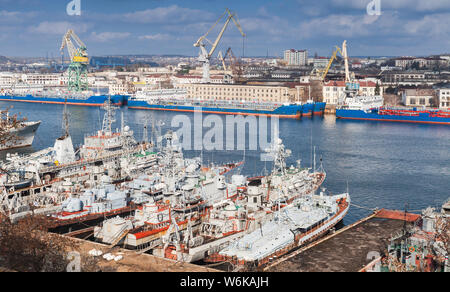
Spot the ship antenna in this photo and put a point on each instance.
(314, 166)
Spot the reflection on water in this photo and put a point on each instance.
(385, 164)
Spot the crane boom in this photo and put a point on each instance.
(76, 54)
(205, 55)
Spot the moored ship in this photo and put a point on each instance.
(18, 134)
(80, 99)
(180, 104)
(396, 114)
(308, 218)
(356, 107)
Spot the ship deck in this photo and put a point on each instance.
(347, 249)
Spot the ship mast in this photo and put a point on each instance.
(65, 125)
(109, 117)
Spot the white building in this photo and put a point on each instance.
(295, 57)
(444, 98)
(418, 97)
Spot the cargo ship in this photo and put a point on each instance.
(371, 108)
(70, 99)
(282, 110)
(395, 114)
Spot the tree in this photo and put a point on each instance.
(377, 89)
(6, 124)
(26, 246)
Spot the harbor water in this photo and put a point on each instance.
(384, 165)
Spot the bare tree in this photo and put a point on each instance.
(26, 246)
(7, 123)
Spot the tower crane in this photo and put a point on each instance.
(78, 61)
(205, 55)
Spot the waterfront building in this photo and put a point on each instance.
(257, 93)
(418, 97)
(443, 94)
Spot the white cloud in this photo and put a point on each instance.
(434, 25)
(415, 5)
(15, 16)
(109, 36)
(58, 27)
(170, 14)
(155, 37)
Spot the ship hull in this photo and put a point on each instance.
(95, 100)
(23, 137)
(319, 108)
(284, 111)
(307, 109)
(423, 117)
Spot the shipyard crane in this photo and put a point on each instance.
(205, 55)
(79, 60)
(344, 55)
(228, 54)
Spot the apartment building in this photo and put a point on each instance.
(296, 58)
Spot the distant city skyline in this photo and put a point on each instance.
(34, 28)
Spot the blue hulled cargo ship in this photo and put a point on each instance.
(286, 110)
(319, 108)
(388, 114)
(90, 100)
(372, 108)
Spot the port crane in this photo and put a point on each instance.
(343, 52)
(205, 55)
(222, 58)
(79, 60)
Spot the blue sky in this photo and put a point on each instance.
(405, 27)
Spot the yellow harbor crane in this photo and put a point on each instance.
(205, 55)
(78, 61)
(343, 52)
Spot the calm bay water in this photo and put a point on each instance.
(385, 165)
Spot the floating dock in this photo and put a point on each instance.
(347, 249)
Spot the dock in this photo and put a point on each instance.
(347, 249)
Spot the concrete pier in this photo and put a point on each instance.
(349, 249)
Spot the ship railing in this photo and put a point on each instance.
(87, 161)
(217, 103)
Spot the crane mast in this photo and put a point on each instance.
(77, 70)
(205, 55)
